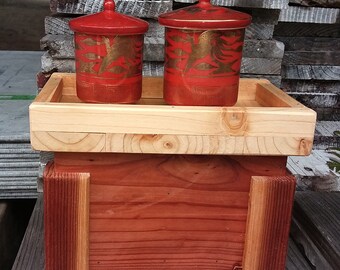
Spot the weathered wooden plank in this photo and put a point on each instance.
(57, 25)
(310, 15)
(309, 86)
(136, 8)
(317, 100)
(318, 3)
(259, 31)
(327, 114)
(62, 47)
(313, 44)
(268, 4)
(307, 30)
(313, 255)
(311, 72)
(266, 231)
(261, 66)
(31, 252)
(264, 16)
(318, 214)
(330, 58)
(270, 66)
(325, 137)
(295, 258)
(274, 79)
(313, 172)
(14, 216)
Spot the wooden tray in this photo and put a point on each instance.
(265, 121)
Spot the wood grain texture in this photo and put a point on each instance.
(268, 221)
(167, 211)
(136, 8)
(310, 15)
(253, 126)
(274, 79)
(330, 58)
(259, 29)
(66, 218)
(31, 254)
(319, 3)
(62, 46)
(267, 66)
(268, 4)
(311, 72)
(312, 44)
(314, 256)
(50, 65)
(317, 100)
(295, 258)
(307, 30)
(318, 214)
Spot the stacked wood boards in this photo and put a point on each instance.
(262, 56)
(316, 227)
(18, 162)
(311, 63)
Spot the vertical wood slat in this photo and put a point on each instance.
(66, 210)
(268, 222)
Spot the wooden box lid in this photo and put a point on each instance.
(265, 121)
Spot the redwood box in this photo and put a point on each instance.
(153, 186)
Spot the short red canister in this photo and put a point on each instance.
(203, 51)
(109, 51)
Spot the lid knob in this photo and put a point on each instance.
(109, 5)
(204, 2)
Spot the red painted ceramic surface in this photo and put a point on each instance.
(109, 50)
(203, 55)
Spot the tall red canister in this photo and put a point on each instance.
(108, 51)
(203, 52)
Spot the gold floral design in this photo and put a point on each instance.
(120, 55)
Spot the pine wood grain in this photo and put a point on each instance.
(66, 209)
(253, 126)
(165, 211)
(268, 221)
